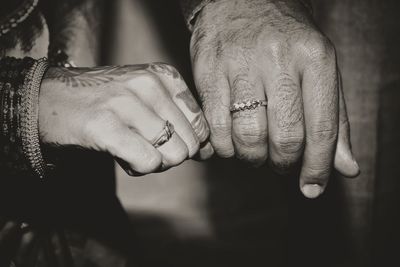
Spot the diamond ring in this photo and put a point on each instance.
(248, 105)
(164, 136)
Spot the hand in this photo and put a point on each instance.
(268, 49)
(17, 243)
(120, 110)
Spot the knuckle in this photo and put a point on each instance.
(151, 81)
(317, 173)
(220, 128)
(115, 102)
(250, 133)
(165, 69)
(288, 144)
(254, 155)
(146, 80)
(276, 50)
(319, 49)
(151, 162)
(250, 137)
(323, 135)
(179, 155)
(223, 147)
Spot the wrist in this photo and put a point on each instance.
(20, 80)
(243, 8)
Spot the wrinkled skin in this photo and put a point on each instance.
(269, 49)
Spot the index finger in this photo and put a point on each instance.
(213, 88)
(183, 98)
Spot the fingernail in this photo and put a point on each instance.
(311, 190)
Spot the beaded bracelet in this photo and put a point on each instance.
(18, 16)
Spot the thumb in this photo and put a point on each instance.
(344, 162)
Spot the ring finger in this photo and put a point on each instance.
(249, 125)
(150, 125)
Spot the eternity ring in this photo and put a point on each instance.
(248, 105)
(165, 135)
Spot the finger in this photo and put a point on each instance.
(183, 98)
(344, 162)
(26, 248)
(9, 230)
(249, 126)
(132, 152)
(285, 119)
(159, 100)
(206, 151)
(145, 122)
(32, 255)
(320, 97)
(9, 236)
(214, 93)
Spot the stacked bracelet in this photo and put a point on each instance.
(30, 117)
(20, 81)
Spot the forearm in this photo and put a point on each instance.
(191, 8)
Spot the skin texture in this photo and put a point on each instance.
(114, 109)
(121, 110)
(256, 49)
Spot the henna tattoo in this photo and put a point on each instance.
(185, 95)
(162, 68)
(200, 127)
(188, 99)
(84, 77)
(87, 77)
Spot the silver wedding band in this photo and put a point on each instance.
(248, 105)
(165, 135)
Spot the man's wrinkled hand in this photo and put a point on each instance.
(271, 50)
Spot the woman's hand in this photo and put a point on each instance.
(121, 110)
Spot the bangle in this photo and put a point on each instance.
(30, 117)
(20, 81)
